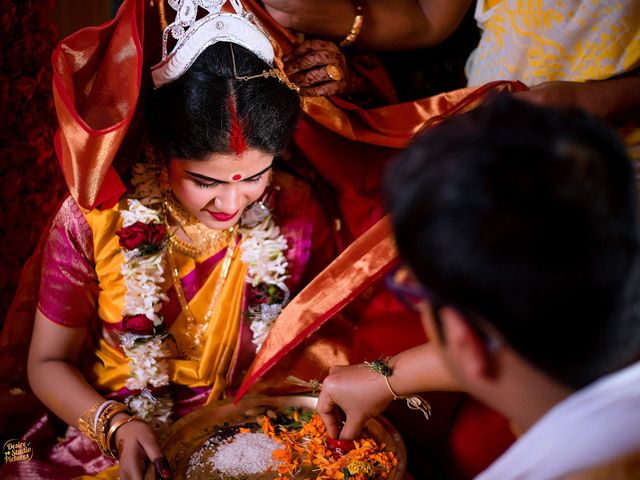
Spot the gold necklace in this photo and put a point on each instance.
(196, 329)
(202, 240)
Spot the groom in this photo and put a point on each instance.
(519, 226)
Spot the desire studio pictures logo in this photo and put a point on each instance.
(17, 451)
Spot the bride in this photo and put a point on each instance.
(173, 289)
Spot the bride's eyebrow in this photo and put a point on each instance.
(211, 179)
(203, 177)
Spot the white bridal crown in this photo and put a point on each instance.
(193, 35)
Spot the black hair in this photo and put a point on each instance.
(192, 116)
(527, 216)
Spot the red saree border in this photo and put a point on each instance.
(375, 250)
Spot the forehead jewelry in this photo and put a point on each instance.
(274, 72)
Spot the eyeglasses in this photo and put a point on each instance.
(401, 282)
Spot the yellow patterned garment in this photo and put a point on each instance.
(211, 369)
(535, 41)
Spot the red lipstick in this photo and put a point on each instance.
(221, 216)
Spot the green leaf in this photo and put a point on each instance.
(306, 416)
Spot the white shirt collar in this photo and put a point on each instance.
(593, 426)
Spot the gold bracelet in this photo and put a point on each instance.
(112, 430)
(104, 405)
(85, 422)
(356, 26)
(103, 423)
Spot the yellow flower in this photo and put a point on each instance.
(361, 467)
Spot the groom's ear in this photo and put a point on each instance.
(466, 346)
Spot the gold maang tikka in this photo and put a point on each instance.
(274, 73)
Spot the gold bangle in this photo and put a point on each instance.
(103, 423)
(86, 422)
(104, 405)
(356, 26)
(112, 430)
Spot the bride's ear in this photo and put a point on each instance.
(165, 186)
(466, 346)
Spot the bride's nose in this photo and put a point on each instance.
(227, 199)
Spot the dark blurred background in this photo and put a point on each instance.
(32, 184)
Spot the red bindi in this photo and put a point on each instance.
(236, 177)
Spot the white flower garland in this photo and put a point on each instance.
(143, 277)
(263, 249)
(155, 410)
(262, 318)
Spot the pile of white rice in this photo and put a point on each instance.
(243, 454)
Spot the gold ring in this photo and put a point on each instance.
(334, 73)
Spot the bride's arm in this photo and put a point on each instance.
(54, 378)
(57, 382)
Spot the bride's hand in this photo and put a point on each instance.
(360, 393)
(136, 442)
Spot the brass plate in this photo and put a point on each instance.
(190, 432)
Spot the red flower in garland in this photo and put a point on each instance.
(137, 324)
(148, 237)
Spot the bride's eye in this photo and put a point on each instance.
(202, 184)
(253, 179)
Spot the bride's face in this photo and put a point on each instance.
(218, 189)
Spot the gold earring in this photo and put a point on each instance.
(165, 186)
